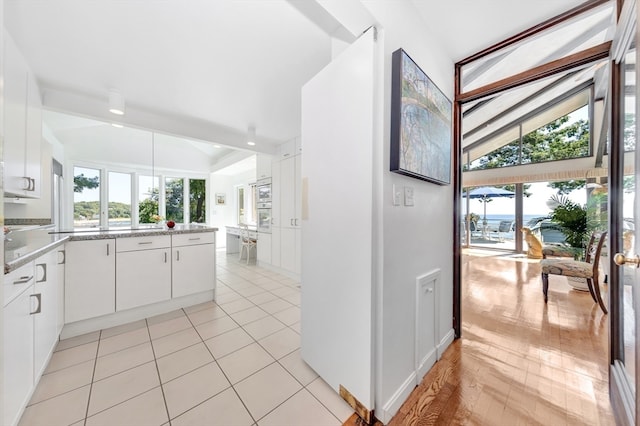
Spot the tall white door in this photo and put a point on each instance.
(337, 177)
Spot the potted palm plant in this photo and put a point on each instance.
(577, 222)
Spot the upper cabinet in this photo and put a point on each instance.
(22, 125)
(263, 166)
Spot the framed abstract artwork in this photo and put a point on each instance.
(420, 123)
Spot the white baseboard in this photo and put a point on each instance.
(119, 318)
(445, 342)
(394, 403)
(425, 364)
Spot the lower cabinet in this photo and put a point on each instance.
(143, 276)
(31, 330)
(264, 247)
(111, 275)
(290, 243)
(194, 263)
(18, 355)
(90, 279)
(45, 323)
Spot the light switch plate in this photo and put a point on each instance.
(397, 196)
(408, 196)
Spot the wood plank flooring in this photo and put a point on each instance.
(519, 362)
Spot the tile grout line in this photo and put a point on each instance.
(93, 375)
(155, 361)
(223, 373)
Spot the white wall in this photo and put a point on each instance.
(225, 215)
(414, 240)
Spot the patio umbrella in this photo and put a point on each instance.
(486, 193)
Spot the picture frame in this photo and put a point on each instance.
(421, 123)
(221, 199)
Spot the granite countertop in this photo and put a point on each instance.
(23, 246)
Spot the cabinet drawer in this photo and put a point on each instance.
(15, 282)
(192, 239)
(143, 243)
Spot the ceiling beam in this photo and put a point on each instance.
(576, 11)
(565, 64)
(518, 104)
(158, 121)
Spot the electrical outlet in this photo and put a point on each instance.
(408, 196)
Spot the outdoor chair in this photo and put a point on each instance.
(578, 269)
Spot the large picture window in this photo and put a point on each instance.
(543, 137)
(120, 199)
(86, 197)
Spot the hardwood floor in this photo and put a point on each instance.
(519, 361)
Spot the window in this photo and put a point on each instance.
(560, 139)
(241, 211)
(86, 197)
(174, 199)
(148, 202)
(122, 199)
(119, 199)
(197, 201)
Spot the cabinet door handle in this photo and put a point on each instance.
(64, 257)
(44, 272)
(28, 181)
(38, 297)
(177, 255)
(33, 184)
(165, 257)
(194, 239)
(107, 249)
(291, 222)
(146, 242)
(23, 280)
(296, 221)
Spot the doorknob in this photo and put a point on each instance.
(620, 259)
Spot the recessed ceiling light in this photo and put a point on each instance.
(216, 146)
(119, 126)
(116, 102)
(251, 136)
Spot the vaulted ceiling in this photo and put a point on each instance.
(223, 65)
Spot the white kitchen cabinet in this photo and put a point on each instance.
(276, 189)
(290, 196)
(18, 354)
(193, 263)
(46, 330)
(22, 125)
(264, 248)
(17, 281)
(60, 265)
(290, 256)
(276, 238)
(33, 139)
(263, 166)
(143, 272)
(291, 192)
(286, 211)
(90, 279)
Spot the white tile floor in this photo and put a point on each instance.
(234, 362)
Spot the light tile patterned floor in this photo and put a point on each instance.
(234, 362)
